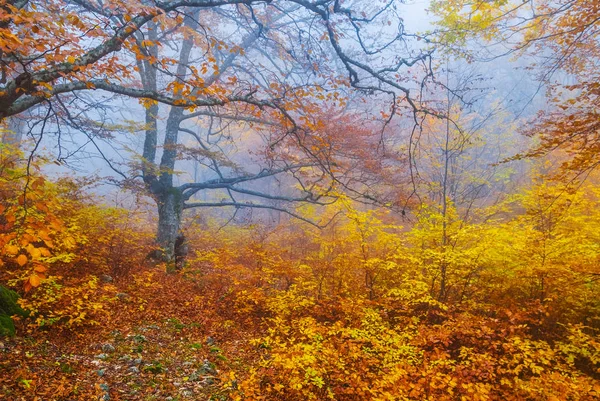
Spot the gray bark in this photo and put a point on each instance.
(14, 135)
(168, 198)
(170, 206)
(148, 74)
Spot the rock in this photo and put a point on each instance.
(123, 296)
(101, 356)
(156, 255)
(108, 348)
(136, 361)
(210, 340)
(101, 372)
(125, 358)
(133, 370)
(207, 368)
(138, 338)
(186, 393)
(105, 278)
(104, 397)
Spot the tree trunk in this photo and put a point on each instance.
(170, 207)
(170, 199)
(14, 135)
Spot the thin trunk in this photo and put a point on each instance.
(444, 266)
(14, 134)
(148, 73)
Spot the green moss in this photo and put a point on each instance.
(8, 308)
(154, 367)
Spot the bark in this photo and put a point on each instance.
(149, 79)
(14, 135)
(169, 199)
(170, 206)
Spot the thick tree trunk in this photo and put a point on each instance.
(169, 199)
(170, 207)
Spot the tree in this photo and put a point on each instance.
(455, 174)
(561, 39)
(269, 65)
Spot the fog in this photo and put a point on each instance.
(106, 134)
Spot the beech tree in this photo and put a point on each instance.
(269, 64)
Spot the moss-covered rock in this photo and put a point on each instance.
(8, 308)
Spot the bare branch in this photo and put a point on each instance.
(239, 205)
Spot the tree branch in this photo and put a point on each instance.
(256, 206)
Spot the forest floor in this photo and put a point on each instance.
(160, 341)
(228, 327)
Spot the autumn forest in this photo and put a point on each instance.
(299, 200)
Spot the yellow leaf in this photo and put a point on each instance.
(11, 249)
(34, 252)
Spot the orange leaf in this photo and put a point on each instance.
(39, 182)
(41, 207)
(34, 280)
(40, 268)
(22, 260)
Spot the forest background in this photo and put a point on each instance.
(291, 200)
